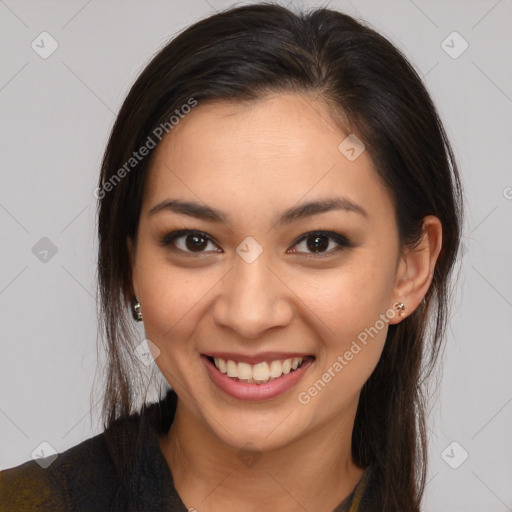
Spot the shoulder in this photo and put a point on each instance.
(90, 476)
(81, 478)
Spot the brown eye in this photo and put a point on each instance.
(195, 242)
(189, 241)
(322, 242)
(317, 243)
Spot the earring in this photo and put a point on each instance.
(136, 311)
(400, 309)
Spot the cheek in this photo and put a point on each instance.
(354, 304)
(358, 322)
(358, 325)
(171, 305)
(351, 298)
(171, 300)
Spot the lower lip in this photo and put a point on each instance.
(255, 392)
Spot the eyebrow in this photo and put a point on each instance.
(289, 216)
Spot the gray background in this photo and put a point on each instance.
(56, 116)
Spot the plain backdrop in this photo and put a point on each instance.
(56, 114)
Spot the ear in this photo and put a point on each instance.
(416, 267)
(130, 244)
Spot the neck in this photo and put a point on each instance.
(315, 472)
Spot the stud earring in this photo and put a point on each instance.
(136, 311)
(400, 309)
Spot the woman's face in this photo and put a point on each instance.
(252, 287)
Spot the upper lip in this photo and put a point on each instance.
(256, 358)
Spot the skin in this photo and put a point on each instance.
(253, 161)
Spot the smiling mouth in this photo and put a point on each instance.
(260, 373)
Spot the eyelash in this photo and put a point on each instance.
(342, 241)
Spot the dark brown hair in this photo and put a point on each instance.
(242, 54)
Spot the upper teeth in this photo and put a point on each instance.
(261, 372)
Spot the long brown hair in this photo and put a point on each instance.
(242, 54)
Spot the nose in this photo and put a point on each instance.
(253, 299)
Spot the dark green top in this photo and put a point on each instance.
(84, 478)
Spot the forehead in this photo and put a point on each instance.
(258, 155)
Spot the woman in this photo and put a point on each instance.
(280, 207)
